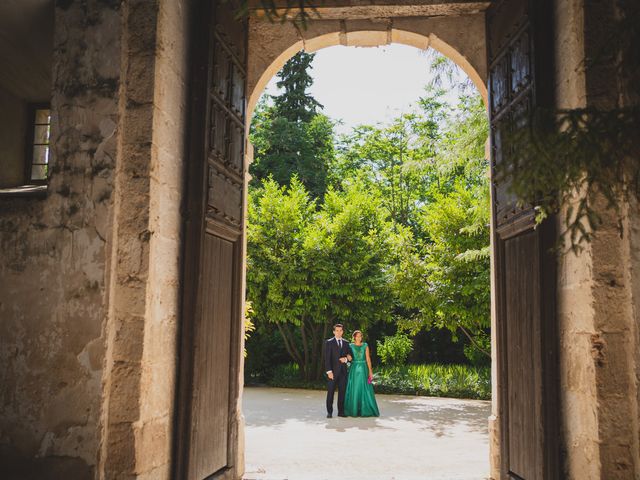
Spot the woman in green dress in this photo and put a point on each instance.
(360, 401)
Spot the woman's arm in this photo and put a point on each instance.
(369, 361)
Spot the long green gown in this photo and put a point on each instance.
(360, 401)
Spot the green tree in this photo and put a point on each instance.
(295, 104)
(308, 268)
(290, 135)
(447, 279)
(429, 170)
(400, 233)
(444, 275)
(396, 159)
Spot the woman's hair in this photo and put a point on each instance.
(355, 332)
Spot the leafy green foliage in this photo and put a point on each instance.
(429, 168)
(434, 380)
(249, 326)
(395, 350)
(309, 268)
(477, 351)
(396, 159)
(393, 227)
(574, 157)
(265, 349)
(456, 381)
(290, 136)
(447, 279)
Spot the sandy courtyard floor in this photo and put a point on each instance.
(288, 437)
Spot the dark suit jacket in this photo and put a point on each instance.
(332, 354)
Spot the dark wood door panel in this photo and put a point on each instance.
(211, 328)
(521, 80)
(522, 317)
(212, 360)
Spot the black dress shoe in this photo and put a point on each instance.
(341, 415)
(329, 415)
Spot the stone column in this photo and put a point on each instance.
(598, 288)
(144, 301)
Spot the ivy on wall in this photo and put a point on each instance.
(577, 157)
(573, 157)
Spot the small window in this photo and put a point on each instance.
(39, 148)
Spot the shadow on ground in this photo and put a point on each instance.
(289, 437)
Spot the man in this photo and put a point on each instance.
(337, 353)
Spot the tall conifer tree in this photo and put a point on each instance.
(291, 136)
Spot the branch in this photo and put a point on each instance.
(488, 354)
(290, 346)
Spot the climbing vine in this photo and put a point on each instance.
(573, 157)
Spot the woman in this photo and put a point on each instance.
(360, 400)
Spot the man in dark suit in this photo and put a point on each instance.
(337, 352)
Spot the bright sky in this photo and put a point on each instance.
(367, 85)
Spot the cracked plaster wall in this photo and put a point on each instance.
(53, 267)
(90, 274)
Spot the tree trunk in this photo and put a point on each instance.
(320, 343)
(306, 372)
(290, 345)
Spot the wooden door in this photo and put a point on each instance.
(211, 330)
(521, 79)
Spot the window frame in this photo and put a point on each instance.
(29, 143)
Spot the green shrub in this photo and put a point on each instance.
(395, 350)
(434, 380)
(265, 350)
(288, 376)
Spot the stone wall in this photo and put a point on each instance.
(598, 288)
(53, 268)
(272, 44)
(575, 311)
(633, 271)
(90, 273)
(141, 331)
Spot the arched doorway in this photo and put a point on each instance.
(234, 68)
(296, 416)
(363, 38)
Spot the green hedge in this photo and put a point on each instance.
(457, 381)
(434, 380)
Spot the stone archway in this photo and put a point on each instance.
(271, 45)
(91, 272)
